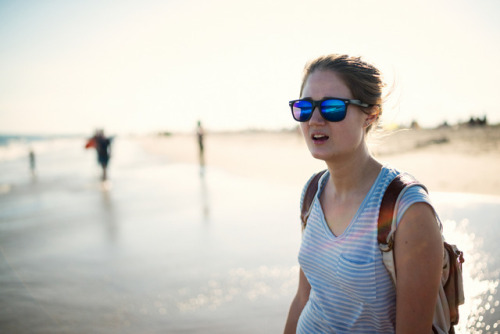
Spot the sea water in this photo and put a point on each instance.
(176, 248)
(472, 223)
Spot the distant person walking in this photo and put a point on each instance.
(200, 134)
(32, 161)
(102, 144)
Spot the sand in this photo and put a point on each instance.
(168, 247)
(447, 160)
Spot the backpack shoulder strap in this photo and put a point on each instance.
(311, 190)
(386, 213)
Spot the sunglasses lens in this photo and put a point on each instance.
(302, 110)
(333, 110)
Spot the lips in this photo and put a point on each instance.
(319, 138)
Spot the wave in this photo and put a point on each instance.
(13, 147)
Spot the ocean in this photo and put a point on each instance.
(165, 247)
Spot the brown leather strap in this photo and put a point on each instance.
(386, 207)
(389, 202)
(311, 190)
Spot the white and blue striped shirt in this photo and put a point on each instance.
(351, 291)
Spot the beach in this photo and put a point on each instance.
(169, 246)
(449, 159)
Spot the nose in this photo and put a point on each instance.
(316, 117)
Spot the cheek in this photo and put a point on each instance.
(350, 131)
(304, 128)
(356, 120)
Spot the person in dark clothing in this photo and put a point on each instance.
(102, 145)
(200, 134)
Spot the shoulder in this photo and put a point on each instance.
(414, 197)
(418, 227)
(313, 182)
(409, 190)
(418, 246)
(416, 217)
(407, 193)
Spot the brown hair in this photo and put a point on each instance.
(363, 79)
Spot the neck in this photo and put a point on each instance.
(353, 173)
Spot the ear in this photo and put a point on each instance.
(373, 117)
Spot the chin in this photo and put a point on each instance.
(319, 155)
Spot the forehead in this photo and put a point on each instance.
(325, 83)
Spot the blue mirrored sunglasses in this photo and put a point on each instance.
(332, 109)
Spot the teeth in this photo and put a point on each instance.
(319, 136)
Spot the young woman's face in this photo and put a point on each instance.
(331, 140)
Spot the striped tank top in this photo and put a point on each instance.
(351, 291)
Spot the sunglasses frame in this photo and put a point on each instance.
(317, 103)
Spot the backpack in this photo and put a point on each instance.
(451, 292)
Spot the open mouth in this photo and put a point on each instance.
(319, 138)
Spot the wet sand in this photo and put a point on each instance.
(168, 247)
(160, 248)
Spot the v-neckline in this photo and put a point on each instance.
(360, 209)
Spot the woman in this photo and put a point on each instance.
(343, 284)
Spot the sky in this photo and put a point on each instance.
(148, 66)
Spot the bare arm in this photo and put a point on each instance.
(418, 255)
(298, 304)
